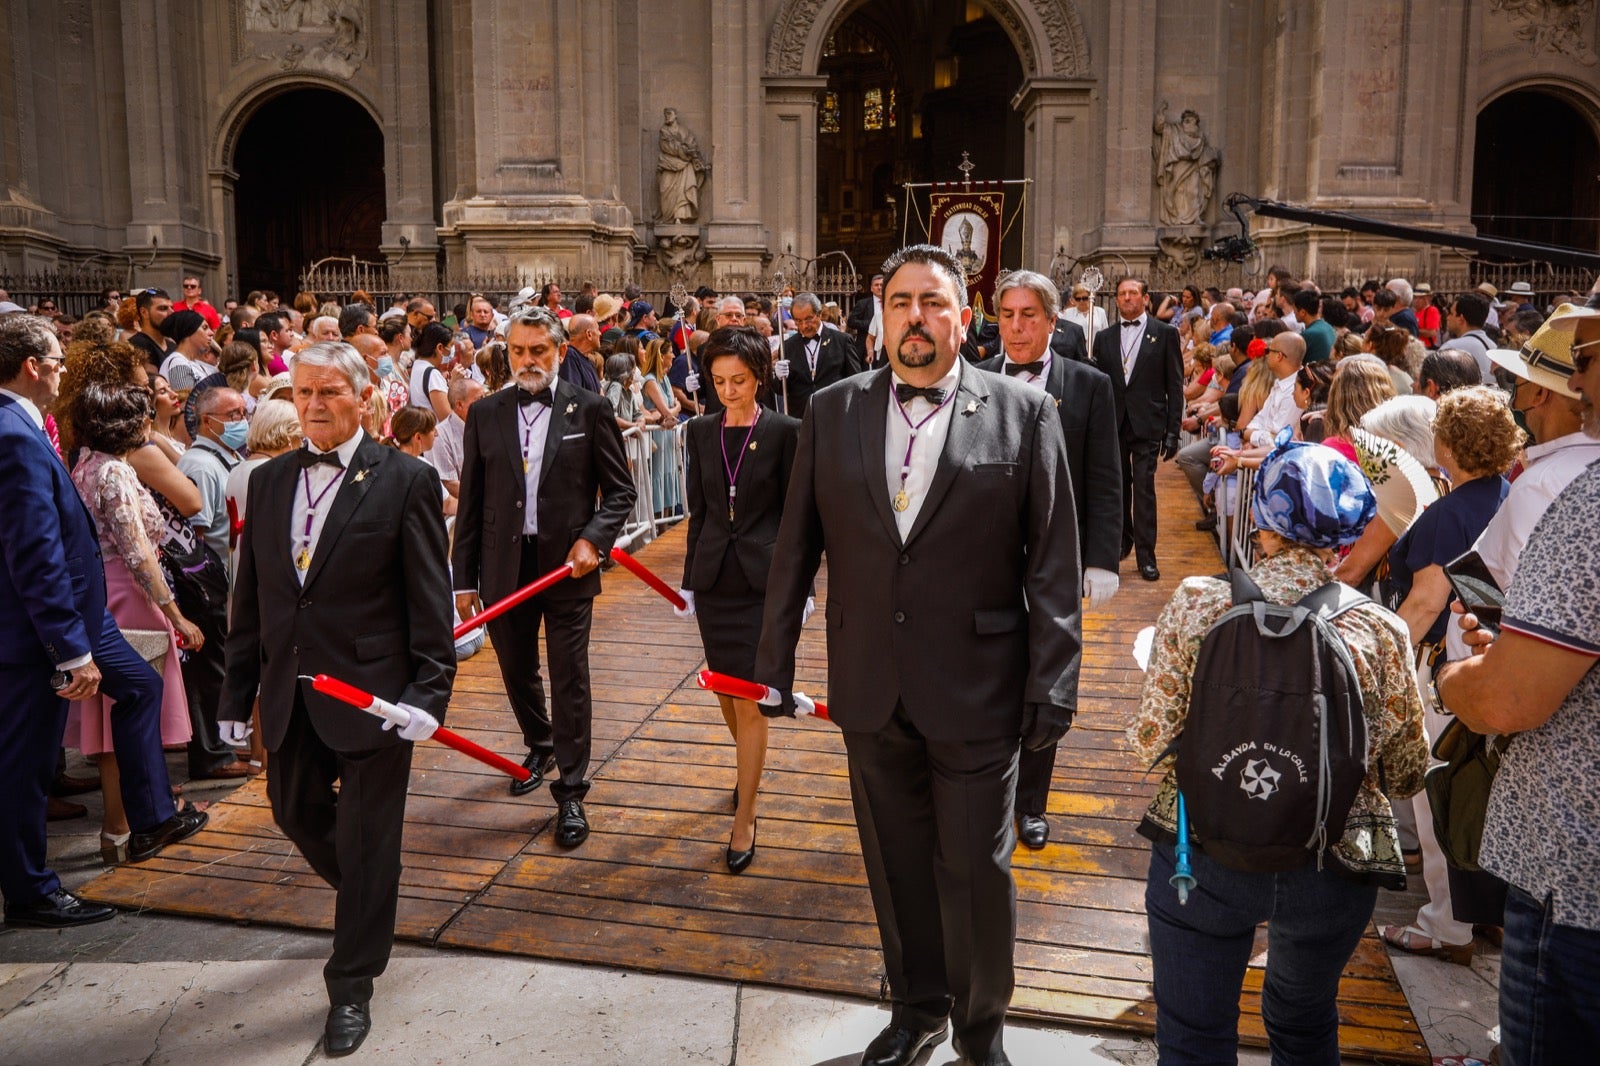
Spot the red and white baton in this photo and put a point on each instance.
(741, 689)
(366, 701)
(645, 574)
(516, 599)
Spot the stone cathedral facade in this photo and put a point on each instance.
(243, 138)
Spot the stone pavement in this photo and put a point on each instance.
(152, 989)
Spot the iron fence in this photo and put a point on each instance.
(75, 291)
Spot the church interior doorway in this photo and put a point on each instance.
(1536, 171)
(311, 184)
(911, 85)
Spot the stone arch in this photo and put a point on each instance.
(1048, 35)
(1583, 96)
(234, 118)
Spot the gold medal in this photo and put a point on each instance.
(901, 500)
(302, 562)
(524, 466)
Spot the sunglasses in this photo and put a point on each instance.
(1580, 363)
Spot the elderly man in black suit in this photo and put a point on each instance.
(341, 572)
(535, 458)
(1026, 304)
(1140, 355)
(942, 497)
(813, 356)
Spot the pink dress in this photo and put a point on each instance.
(129, 525)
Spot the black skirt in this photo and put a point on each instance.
(729, 614)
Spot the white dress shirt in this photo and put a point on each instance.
(446, 452)
(1128, 340)
(1278, 411)
(928, 447)
(533, 429)
(323, 481)
(1072, 314)
(1546, 469)
(813, 345)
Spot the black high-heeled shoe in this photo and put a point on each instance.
(739, 861)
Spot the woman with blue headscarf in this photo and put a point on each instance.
(1308, 502)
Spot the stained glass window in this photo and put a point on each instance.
(872, 109)
(829, 113)
(894, 108)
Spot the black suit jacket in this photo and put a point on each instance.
(1150, 403)
(1067, 341)
(374, 610)
(763, 481)
(836, 360)
(583, 460)
(1089, 423)
(976, 612)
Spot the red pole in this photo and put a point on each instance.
(517, 598)
(741, 689)
(645, 574)
(355, 697)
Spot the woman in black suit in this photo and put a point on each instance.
(738, 462)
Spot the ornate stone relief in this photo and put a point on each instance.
(327, 35)
(1186, 173)
(1550, 25)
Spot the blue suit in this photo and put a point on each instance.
(53, 610)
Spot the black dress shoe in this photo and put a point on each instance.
(1033, 830)
(739, 861)
(1207, 524)
(59, 910)
(537, 765)
(185, 823)
(347, 1026)
(898, 1045)
(1149, 572)
(572, 827)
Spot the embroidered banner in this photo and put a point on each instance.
(965, 219)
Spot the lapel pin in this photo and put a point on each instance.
(571, 407)
(360, 476)
(1151, 337)
(752, 445)
(971, 408)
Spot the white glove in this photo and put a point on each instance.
(234, 734)
(780, 369)
(810, 609)
(1099, 586)
(421, 726)
(691, 383)
(686, 611)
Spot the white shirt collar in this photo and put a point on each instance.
(346, 451)
(1534, 452)
(1140, 320)
(948, 383)
(28, 406)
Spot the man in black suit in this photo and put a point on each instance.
(1026, 304)
(1140, 355)
(943, 500)
(341, 572)
(814, 357)
(534, 460)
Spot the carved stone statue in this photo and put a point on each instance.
(1186, 168)
(1551, 25)
(679, 171)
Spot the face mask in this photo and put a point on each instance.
(385, 366)
(234, 434)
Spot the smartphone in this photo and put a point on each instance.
(1476, 587)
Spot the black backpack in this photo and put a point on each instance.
(1275, 745)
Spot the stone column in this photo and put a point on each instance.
(1128, 224)
(1058, 158)
(789, 154)
(732, 203)
(23, 215)
(410, 229)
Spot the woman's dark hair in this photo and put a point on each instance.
(1268, 327)
(389, 328)
(112, 418)
(544, 294)
(408, 424)
(745, 345)
(1315, 379)
(1389, 343)
(1194, 291)
(428, 342)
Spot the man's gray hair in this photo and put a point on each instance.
(1401, 288)
(542, 317)
(461, 388)
(1036, 283)
(342, 357)
(727, 300)
(806, 299)
(1408, 421)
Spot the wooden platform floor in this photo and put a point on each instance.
(649, 890)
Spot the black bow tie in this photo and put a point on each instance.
(1126, 323)
(1025, 368)
(544, 396)
(309, 459)
(906, 393)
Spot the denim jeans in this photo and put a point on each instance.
(1200, 952)
(1549, 987)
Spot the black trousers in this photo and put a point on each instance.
(1033, 780)
(350, 837)
(1139, 458)
(936, 833)
(566, 732)
(203, 673)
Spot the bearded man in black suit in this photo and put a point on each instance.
(942, 498)
(341, 572)
(1140, 355)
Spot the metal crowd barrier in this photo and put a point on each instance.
(656, 460)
